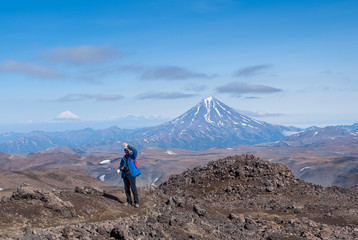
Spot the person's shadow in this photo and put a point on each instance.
(106, 195)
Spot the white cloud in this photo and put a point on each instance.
(67, 115)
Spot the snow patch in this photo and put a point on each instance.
(105, 162)
(259, 122)
(102, 178)
(244, 124)
(289, 133)
(154, 181)
(197, 110)
(171, 152)
(223, 108)
(217, 111)
(315, 134)
(208, 99)
(302, 169)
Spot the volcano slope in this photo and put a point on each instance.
(238, 197)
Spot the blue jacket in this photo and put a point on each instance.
(131, 160)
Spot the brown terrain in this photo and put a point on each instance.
(238, 197)
(326, 165)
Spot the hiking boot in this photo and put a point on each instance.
(126, 204)
(136, 205)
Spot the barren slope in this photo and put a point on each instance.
(240, 197)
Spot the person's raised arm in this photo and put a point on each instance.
(135, 152)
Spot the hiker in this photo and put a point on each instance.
(129, 169)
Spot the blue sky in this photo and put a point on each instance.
(75, 64)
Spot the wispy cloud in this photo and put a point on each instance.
(252, 70)
(252, 97)
(171, 73)
(131, 68)
(82, 97)
(166, 73)
(81, 55)
(32, 69)
(96, 74)
(259, 114)
(236, 88)
(195, 88)
(165, 95)
(136, 117)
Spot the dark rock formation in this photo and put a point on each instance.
(88, 190)
(49, 199)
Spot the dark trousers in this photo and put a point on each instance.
(129, 184)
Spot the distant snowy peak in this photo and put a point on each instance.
(318, 136)
(212, 112)
(208, 124)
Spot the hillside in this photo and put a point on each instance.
(325, 161)
(238, 197)
(326, 156)
(47, 179)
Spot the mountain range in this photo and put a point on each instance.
(209, 124)
(318, 137)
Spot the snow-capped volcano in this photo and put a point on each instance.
(213, 113)
(211, 123)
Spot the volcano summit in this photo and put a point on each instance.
(209, 124)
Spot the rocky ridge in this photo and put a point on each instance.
(238, 197)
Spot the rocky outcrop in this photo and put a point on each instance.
(49, 199)
(247, 197)
(246, 169)
(88, 190)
